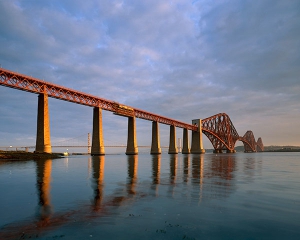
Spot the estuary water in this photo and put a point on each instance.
(209, 196)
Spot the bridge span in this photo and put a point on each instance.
(218, 128)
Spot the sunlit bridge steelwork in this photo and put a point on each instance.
(34, 85)
(223, 135)
(249, 142)
(259, 145)
(218, 128)
(221, 132)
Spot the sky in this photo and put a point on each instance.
(180, 59)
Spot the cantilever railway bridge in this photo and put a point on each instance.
(218, 128)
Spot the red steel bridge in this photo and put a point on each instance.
(218, 128)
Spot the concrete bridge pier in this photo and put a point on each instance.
(132, 148)
(97, 139)
(185, 144)
(172, 144)
(218, 151)
(43, 142)
(197, 143)
(230, 151)
(155, 144)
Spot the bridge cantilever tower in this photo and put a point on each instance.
(249, 141)
(259, 145)
(221, 132)
(223, 135)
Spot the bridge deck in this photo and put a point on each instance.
(34, 85)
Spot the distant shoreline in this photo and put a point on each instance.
(22, 155)
(283, 150)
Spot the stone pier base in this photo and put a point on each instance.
(185, 145)
(97, 138)
(132, 148)
(197, 143)
(230, 151)
(172, 144)
(155, 144)
(218, 151)
(43, 142)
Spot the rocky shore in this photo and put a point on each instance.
(22, 155)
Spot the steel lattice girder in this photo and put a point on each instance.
(220, 131)
(249, 142)
(260, 145)
(30, 84)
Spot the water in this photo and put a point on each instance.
(224, 196)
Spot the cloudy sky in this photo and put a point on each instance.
(180, 59)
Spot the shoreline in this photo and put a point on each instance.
(22, 155)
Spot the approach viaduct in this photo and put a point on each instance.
(218, 128)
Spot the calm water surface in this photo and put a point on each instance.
(224, 196)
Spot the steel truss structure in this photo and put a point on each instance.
(218, 128)
(259, 145)
(223, 135)
(30, 84)
(220, 131)
(249, 142)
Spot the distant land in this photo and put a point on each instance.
(269, 149)
(282, 149)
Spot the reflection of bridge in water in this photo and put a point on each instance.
(218, 128)
(190, 170)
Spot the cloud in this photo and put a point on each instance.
(179, 59)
